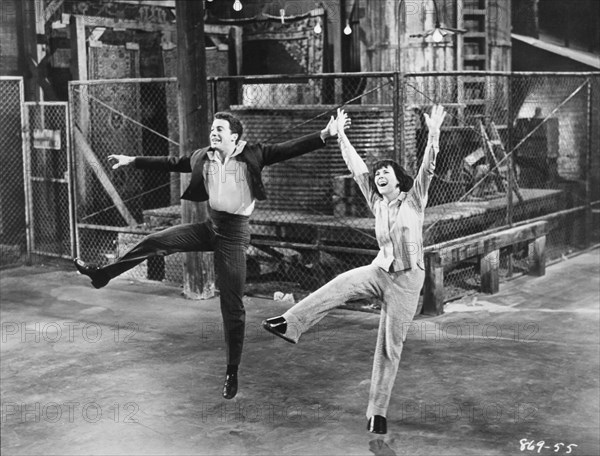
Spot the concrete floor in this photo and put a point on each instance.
(135, 369)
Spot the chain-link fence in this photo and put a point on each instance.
(48, 192)
(13, 239)
(514, 147)
(116, 208)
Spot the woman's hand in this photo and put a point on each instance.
(342, 121)
(434, 122)
(121, 160)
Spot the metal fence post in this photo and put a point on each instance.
(215, 101)
(588, 170)
(509, 134)
(398, 117)
(511, 175)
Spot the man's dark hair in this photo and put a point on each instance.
(405, 182)
(234, 123)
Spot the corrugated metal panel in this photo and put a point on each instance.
(305, 183)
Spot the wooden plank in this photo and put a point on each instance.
(114, 229)
(433, 291)
(90, 157)
(462, 249)
(306, 246)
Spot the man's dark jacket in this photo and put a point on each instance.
(256, 157)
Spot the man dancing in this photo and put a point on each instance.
(395, 276)
(228, 175)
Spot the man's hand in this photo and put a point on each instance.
(434, 123)
(121, 160)
(331, 130)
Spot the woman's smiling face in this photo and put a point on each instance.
(386, 180)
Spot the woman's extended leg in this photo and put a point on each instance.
(363, 282)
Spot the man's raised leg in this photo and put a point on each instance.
(189, 237)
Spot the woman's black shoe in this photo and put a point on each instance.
(377, 424)
(277, 326)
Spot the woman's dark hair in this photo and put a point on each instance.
(405, 182)
(234, 123)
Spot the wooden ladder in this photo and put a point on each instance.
(472, 54)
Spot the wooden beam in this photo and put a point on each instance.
(92, 160)
(41, 48)
(124, 24)
(39, 73)
(79, 72)
(198, 274)
(78, 49)
(462, 249)
(52, 8)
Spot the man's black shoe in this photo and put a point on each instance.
(230, 387)
(277, 326)
(377, 425)
(99, 278)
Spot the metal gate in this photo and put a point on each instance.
(47, 165)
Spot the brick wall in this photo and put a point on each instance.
(572, 122)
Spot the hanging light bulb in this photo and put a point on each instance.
(437, 35)
(237, 5)
(347, 29)
(318, 29)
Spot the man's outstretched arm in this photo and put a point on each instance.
(275, 153)
(172, 164)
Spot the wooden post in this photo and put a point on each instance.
(379, 45)
(198, 273)
(433, 293)
(489, 266)
(537, 256)
(81, 118)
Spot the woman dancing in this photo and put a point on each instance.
(395, 276)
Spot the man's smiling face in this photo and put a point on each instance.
(221, 137)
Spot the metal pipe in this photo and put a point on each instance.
(123, 81)
(588, 169)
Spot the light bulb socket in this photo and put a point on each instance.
(437, 35)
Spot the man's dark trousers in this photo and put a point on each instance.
(228, 236)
